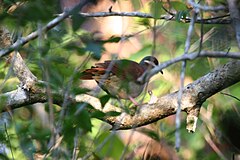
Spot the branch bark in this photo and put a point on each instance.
(213, 20)
(18, 65)
(191, 56)
(194, 94)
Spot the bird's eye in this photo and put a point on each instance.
(147, 62)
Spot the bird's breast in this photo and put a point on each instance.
(121, 88)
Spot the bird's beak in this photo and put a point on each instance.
(161, 71)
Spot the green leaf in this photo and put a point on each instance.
(74, 46)
(177, 5)
(44, 49)
(83, 120)
(156, 9)
(96, 157)
(113, 39)
(77, 21)
(104, 99)
(98, 114)
(136, 4)
(2, 156)
(112, 144)
(113, 113)
(3, 101)
(145, 22)
(150, 133)
(78, 90)
(181, 15)
(34, 11)
(95, 48)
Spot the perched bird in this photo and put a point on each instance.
(119, 77)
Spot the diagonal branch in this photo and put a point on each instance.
(22, 41)
(18, 65)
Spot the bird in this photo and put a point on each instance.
(119, 78)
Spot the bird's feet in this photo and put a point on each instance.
(133, 101)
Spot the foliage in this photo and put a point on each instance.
(64, 51)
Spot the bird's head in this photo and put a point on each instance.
(149, 62)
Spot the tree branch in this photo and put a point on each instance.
(22, 41)
(18, 66)
(194, 94)
(213, 20)
(191, 56)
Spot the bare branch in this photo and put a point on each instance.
(22, 72)
(191, 56)
(194, 94)
(22, 41)
(213, 20)
(18, 66)
(20, 97)
(182, 77)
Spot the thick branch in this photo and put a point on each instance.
(22, 72)
(194, 94)
(18, 66)
(21, 97)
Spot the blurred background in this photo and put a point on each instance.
(78, 43)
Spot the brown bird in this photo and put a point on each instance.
(119, 77)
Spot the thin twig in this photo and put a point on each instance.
(9, 140)
(201, 35)
(190, 56)
(212, 144)
(212, 20)
(22, 41)
(76, 147)
(230, 96)
(182, 77)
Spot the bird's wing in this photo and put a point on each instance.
(124, 69)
